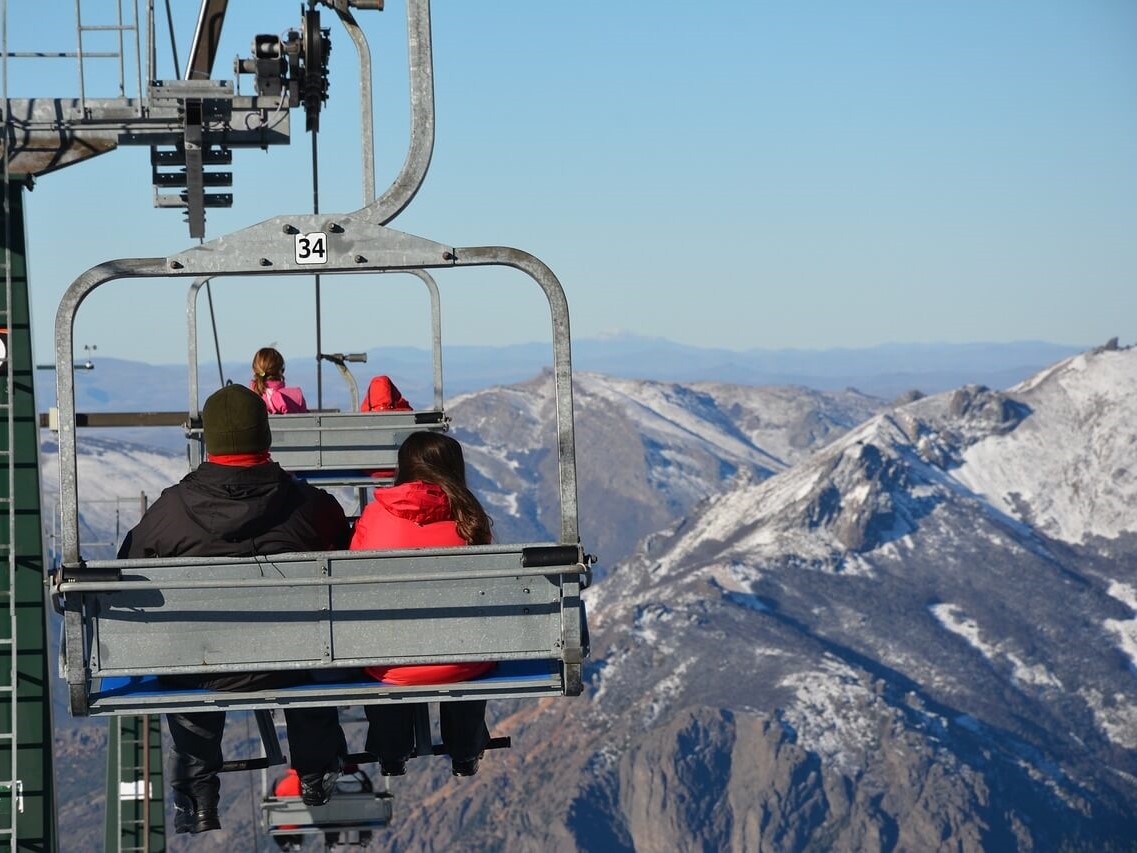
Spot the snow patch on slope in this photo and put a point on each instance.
(954, 620)
(1125, 629)
(828, 713)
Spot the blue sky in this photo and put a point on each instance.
(747, 174)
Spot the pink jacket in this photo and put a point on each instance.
(283, 400)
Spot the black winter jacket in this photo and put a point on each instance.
(228, 511)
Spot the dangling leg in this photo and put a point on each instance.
(316, 747)
(391, 736)
(464, 734)
(193, 767)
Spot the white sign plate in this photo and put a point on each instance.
(312, 248)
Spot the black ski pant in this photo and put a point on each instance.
(315, 738)
(391, 730)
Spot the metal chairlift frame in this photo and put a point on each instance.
(338, 448)
(323, 611)
(355, 812)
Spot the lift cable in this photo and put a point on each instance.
(216, 339)
(316, 209)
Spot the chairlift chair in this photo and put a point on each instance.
(320, 611)
(347, 821)
(127, 621)
(331, 448)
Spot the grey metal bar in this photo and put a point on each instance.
(151, 49)
(65, 383)
(269, 581)
(203, 48)
(436, 336)
(137, 51)
(258, 250)
(61, 54)
(79, 36)
(191, 322)
(562, 365)
(271, 742)
(366, 107)
(406, 184)
(452, 555)
(121, 53)
(117, 419)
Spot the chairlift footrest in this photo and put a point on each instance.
(238, 764)
(495, 743)
(436, 749)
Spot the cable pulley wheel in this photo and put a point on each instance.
(315, 46)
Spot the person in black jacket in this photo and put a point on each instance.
(239, 503)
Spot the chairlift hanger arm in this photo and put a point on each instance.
(206, 37)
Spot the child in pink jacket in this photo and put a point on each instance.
(268, 381)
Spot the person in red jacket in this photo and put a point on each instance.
(384, 396)
(429, 505)
(288, 786)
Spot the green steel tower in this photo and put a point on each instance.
(27, 791)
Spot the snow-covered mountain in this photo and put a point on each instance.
(846, 627)
(117, 480)
(922, 637)
(648, 452)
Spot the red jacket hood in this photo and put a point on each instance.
(412, 515)
(383, 395)
(422, 503)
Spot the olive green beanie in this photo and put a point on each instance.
(235, 421)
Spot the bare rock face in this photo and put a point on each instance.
(979, 409)
(861, 518)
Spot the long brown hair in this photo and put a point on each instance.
(433, 457)
(268, 363)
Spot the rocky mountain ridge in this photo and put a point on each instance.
(920, 636)
(862, 652)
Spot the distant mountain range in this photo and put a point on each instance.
(883, 371)
(825, 620)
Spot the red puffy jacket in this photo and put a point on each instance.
(288, 786)
(383, 396)
(412, 515)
